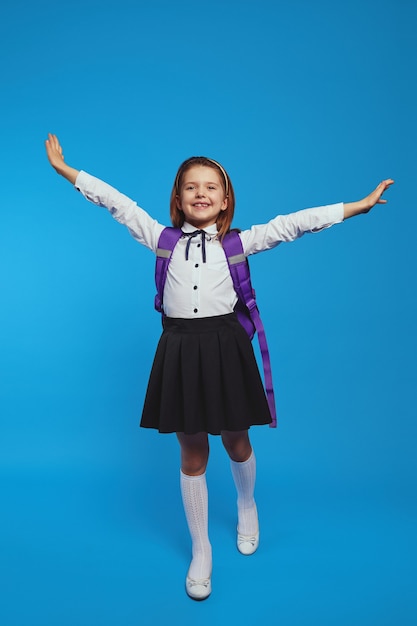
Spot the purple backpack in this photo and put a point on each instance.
(246, 307)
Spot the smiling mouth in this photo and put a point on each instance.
(201, 204)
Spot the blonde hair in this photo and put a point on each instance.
(224, 219)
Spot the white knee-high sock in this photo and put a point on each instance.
(244, 475)
(195, 500)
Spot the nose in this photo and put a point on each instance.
(200, 193)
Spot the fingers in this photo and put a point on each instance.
(384, 184)
(54, 151)
(51, 140)
(56, 145)
(382, 187)
(387, 183)
(49, 148)
(53, 143)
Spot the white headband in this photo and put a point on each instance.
(223, 171)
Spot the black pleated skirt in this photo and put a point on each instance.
(204, 378)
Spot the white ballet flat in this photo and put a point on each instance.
(198, 589)
(247, 544)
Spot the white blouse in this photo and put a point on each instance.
(193, 288)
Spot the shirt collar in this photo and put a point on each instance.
(210, 230)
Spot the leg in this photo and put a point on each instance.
(194, 453)
(194, 457)
(243, 465)
(237, 445)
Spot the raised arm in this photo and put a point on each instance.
(140, 224)
(56, 159)
(294, 225)
(363, 206)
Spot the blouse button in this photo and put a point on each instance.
(199, 245)
(195, 287)
(195, 310)
(196, 265)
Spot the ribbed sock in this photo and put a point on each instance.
(195, 500)
(244, 475)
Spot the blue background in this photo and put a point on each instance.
(304, 103)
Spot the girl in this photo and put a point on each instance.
(204, 378)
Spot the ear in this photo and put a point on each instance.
(224, 204)
(178, 201)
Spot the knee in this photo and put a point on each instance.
(237, 446)
(194, 453)
(194, 460)
(193, 464)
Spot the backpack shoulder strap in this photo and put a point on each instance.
(239, 270)
(168, 239)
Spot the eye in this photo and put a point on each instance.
(212, 187)
(189, 187)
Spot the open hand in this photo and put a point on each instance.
(376, 196)
(56, 159)
(366, 204)
(54, 152)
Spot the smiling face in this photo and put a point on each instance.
(201, 196)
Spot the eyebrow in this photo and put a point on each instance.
(193, 182)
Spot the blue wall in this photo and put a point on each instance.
(304, 104)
